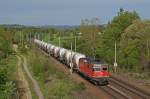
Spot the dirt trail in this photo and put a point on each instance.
(23, 86)
(34, 82)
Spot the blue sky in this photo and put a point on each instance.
(66, 12)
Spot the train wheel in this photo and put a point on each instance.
(95, 83)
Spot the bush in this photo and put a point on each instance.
(7, 84)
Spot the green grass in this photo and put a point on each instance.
(133, 74)
(8, 77)
(10, 63)
(54, 83)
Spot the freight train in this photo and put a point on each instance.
(94, 70)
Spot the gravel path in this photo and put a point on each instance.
(34, 82)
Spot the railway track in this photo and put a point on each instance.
(119, 89)
(114, 92)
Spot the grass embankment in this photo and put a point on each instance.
(137, 75)
(54, 83)
(8, 77)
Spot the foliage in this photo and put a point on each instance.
(5, 43)
(89, 30)
(7, 65)
(113, 33)
(135, 44)
(7, 78)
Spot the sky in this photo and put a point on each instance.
(66, 12)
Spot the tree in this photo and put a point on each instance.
(113, 32)
(89, 30)
(135, 45)
(5, 43)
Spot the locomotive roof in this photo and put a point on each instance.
(95, 60)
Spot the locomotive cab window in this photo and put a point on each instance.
(96, 69)
(85, 62)
(105, 68)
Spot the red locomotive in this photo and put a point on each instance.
(94, 70)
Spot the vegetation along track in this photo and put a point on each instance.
(118, 88)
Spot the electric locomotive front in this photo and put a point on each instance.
(95, 70)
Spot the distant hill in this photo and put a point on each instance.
(11, 25)
(60, 26)
(44, 26)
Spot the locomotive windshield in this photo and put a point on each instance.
(98, 65)
(105, 68)
(96, 69)
(99, 68)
